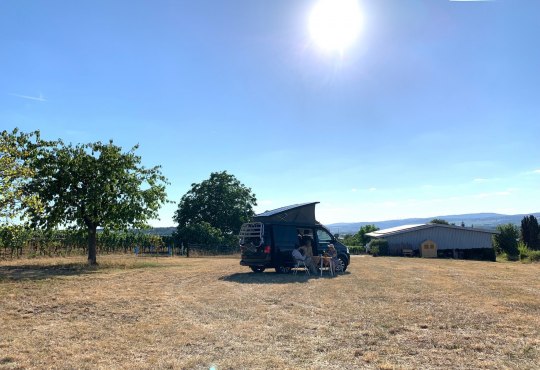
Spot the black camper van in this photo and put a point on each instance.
(269, 239)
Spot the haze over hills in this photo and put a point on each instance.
(480, 220)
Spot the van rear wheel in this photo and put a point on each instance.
(257, 268)
(283, 269)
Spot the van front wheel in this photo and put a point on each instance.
(257, 268)
(342, 264)
(283, 269)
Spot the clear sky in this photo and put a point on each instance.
(434, 109)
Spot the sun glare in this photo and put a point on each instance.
(335, 24)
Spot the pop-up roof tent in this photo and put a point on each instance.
(297, 213)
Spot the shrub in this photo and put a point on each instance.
(534, 256)
(356, 249)
(525, 254)
(523, 251)
(511, 257)
(379, 247)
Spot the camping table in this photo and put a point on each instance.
(329, 259)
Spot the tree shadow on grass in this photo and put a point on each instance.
(38, 272)
(273, 277)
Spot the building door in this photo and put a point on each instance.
(428, 249)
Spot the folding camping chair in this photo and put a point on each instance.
(299, 264)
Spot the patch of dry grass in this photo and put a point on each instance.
(168, 313)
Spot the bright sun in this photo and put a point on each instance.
(335, 24)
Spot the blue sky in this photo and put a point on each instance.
(435, 109)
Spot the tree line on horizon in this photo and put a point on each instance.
(49, 187)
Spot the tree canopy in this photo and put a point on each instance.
(92, 185)
(360, 238)
(222, 202)
(15, 148)
(507, 240)
(530, 232)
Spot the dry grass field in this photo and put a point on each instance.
(176, 313)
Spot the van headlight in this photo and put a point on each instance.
(348, 250)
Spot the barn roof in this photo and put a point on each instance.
(410, 228)
(296, 213)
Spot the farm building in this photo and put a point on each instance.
(436, 240)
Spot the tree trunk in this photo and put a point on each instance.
(92, 245)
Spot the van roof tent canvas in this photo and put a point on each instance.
(296, 213)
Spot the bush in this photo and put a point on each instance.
(534, 256)
(510, 257)
(523, 251)
(379, 247)
(525, 254)
(356, 249)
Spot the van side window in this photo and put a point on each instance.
(285, 237)
(324, 237)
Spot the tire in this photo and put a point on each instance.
(343, 262)
(283, 269)
(257, 269)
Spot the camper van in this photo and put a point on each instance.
(269, 239)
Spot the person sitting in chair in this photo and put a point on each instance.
(307, 250)
(332, 253)
(297, 255)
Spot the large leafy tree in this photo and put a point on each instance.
(15, 149)
(507, 240)
(530, 232)
(93, 185)
(222, 202)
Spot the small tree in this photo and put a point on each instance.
(361, 236)
(222, 202)
(350, 240)
(93, 185)
(506, 241)
(530, 232)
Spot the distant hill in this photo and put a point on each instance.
(481, 220)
